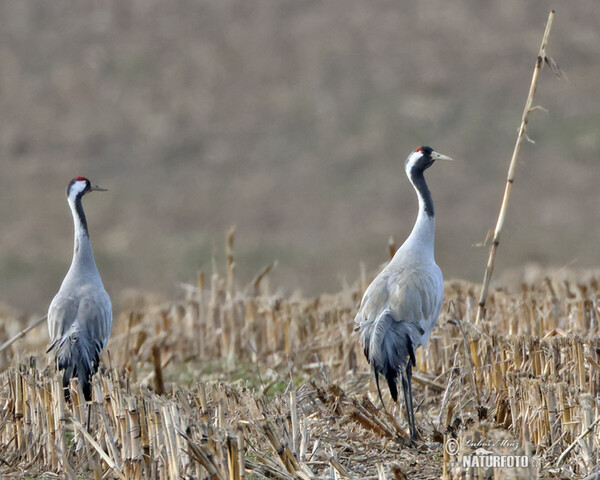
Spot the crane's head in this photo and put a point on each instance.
(421, 159)
(79, 186)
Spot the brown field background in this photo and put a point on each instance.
(290, 120)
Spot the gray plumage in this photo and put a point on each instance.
(80, 315)
(400, 307)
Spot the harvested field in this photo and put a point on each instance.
(236, 383)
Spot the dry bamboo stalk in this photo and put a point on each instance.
(158, 376)
(221, 409)
(428, 382)
(233, 458)
(538, 362)
(133, 421)
(375, 420)
(200, 280)
(76, 399)
(240, 449)
(511, 170)
(255, 290)
(125, 353)
(514, 410)
(583, 434)
(294, 415)
(154, 433)
(566, 411)
(230, 260)
(335, 463)
(204, 457)
(445, 459)
(224, 330)
(179, 423)
(280, 448)
(381, 472)
(99, 449)
(29, 402)
(587, 444)
(202, 396)
(469, 355)
(553, 416)
(182, 456)
(251, 328)
(119, 406)
(233, 345)
(60, 418)
(447, 390)
(580, 364)
(18, 415)
(213, 308)
(270, 334)
(171, 442)
(22, 333)
(110, 441)
(538, 424)
(52, 424)
(164, 443)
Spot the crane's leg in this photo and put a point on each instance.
(89, 415)
(66, 379)
(379, 391)
(87, 389)
(408, 399)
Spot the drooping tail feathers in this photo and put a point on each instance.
(79, 356)
(389, 349)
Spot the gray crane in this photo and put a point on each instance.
(80, 315)
(400, 307)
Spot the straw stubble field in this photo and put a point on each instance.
(239, 383)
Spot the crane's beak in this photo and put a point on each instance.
(97, 188)
(439, 156)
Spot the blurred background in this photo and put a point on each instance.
(290, 120)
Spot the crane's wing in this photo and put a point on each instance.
(416, 298)
(410, 295)
(397, 314)
(94, 319)
(89, 319)
(61, 315)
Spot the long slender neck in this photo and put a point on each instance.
(82, 247)
(420, 242)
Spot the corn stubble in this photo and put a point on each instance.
(526, 381)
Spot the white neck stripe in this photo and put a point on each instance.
(77, 187)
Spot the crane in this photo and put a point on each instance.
(80, 315)
(401, 305)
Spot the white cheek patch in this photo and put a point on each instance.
(76, 189)
(412, 159)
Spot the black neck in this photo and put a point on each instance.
(418, 179)
(80, 213)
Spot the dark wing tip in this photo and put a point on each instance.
(52, 345)
(391, 380)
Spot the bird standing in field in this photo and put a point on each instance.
(400, 308)
(80, 315)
